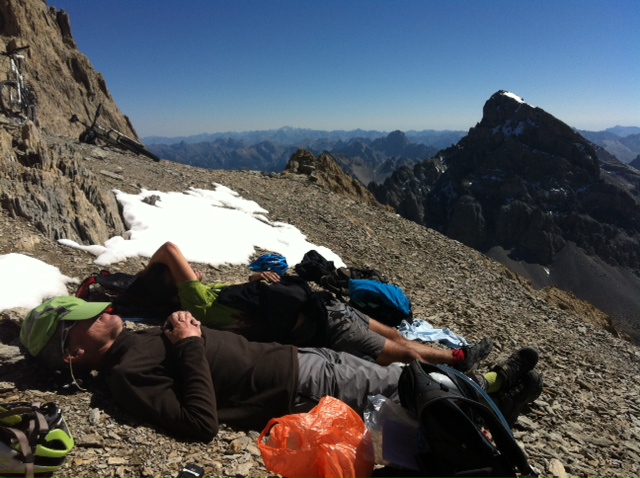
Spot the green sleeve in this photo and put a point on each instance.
(200, 300)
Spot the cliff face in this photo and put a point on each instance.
(42, 184)
(528, 190)
(63, 79)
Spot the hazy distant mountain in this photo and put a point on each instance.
(364, 158)
(305, 137)
(228, 153)
(621, 141)
(623, 131)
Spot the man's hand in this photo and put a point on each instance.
(181, 325)
(268, 276)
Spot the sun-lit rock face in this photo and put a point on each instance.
(64, 80)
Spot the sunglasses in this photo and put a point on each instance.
(63, 336)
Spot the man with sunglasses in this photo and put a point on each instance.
(188, 379)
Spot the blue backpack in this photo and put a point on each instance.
(365, 289)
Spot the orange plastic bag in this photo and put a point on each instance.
(327, 441)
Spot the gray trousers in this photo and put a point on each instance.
(343, 376)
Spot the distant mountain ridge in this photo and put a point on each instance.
(288, 135)
(363, 158)
(621, 141)
(367, 155)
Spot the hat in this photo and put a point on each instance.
(42, 322)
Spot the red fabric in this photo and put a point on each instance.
(458, 355)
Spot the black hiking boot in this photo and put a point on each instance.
(512, 401)
(516, 366)
(474, 354)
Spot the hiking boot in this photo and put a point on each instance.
(512, 401)
(473, 355)
(516, 366)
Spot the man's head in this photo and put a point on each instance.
(45, 332)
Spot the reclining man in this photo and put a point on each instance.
(285, 309)
(187, 379)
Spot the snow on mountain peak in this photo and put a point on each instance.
(513, 96)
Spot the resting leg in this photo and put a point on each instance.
(399, 347)
(343, 376)
(356, 333)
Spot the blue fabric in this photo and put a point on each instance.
(366, 291)
(424, 332)
(270, 262)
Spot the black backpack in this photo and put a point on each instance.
(456, 419)
(365, 289)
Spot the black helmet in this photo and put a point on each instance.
(34, 439)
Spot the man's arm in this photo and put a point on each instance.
(183, 401)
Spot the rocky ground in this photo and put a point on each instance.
(586, 423)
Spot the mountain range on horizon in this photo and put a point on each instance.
(292, 135)
(367, 155)
(288, 135)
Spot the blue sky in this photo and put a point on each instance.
(195, 66)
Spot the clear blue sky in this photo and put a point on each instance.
(182, 67)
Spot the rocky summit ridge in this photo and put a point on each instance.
(586, 422)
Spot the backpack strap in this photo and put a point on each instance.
(457, 445)
(502, 436)
(83, 289)
(504, 439)
(32, 423)
(25, 448)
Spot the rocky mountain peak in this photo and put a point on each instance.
(512, 125)
(394, 144)
(64, 80)
(502, 107)
(526, 188)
